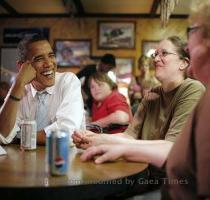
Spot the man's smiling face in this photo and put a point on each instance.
(43, 60)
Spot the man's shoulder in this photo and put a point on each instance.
(65, 76)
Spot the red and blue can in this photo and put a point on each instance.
(58, 152)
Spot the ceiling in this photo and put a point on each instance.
(88, 8)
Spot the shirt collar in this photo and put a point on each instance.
(49, 90)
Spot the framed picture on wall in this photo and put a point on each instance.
(71, 52)
(116, 35)
(149, 46)
(8, 59)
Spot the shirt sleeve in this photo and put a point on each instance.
(70, 113)
(185, 105)
(135, 127)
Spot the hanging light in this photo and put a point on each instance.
(166, 8)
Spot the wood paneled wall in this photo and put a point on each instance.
(75, 28)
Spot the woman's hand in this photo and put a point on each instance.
(104, 152)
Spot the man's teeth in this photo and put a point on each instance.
(47, 73)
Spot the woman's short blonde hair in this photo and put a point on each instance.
(200, 12)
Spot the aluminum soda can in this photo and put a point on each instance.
(58, 152)
(28, 134)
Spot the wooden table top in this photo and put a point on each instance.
(28, 169)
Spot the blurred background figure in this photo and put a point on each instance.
(142, 84)
(4, 88)
(109, 108)
(86, 61)
(106, 64)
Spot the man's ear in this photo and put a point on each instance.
(19, 64)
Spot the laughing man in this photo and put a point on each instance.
(61, 105)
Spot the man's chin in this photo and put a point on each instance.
(42, 84)
(49, 83)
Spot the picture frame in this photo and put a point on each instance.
(8, 59)
(71, 53)
(149, 46)
(116, 35)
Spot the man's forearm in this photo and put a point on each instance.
(9, 110)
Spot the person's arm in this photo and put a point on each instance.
(117, 117)
(10, 107)
(86, 139)
(155, 154)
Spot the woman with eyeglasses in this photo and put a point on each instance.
(163, 112)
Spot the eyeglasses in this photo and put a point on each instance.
(192, 29)
(162, 54)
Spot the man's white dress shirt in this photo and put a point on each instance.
(66, 109)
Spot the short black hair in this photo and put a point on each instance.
(24, 43)
(109, 59)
